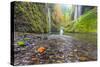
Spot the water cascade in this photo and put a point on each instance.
(78, 11)
(61, 31)
(49, 20)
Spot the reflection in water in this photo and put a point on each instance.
(85, 37)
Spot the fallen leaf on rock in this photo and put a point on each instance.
(41, 49)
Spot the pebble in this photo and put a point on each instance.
(75, 50)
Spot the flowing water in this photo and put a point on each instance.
(72, 47)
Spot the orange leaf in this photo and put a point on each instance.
(41, 49)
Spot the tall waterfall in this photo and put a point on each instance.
(49, 20)
(78, 11)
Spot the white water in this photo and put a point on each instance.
(61, 31)
(78, 11)
(49, 20)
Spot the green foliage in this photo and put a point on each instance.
(31, 16)
(21, 43)
(85, 23)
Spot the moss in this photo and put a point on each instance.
(85, 23)
(32, 17)
(21, 43)
(26, 39)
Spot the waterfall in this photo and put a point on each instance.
(75, 13)
(61, 31)
(49, 20)
(78, 11)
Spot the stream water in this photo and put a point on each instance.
(72, 47)
(85, 37)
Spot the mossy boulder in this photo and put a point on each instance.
(21, 43)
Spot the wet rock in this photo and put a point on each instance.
(59, 61)
(82, 58)
(17, 62)
(59, 49)
(35, 59)
(71, 54)
(75, 50)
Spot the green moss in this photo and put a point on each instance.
(26, 39)
(85, 23)
(33, 15)
(21, 43)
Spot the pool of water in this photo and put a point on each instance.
(85, 37)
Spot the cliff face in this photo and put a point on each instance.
(30, 17)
